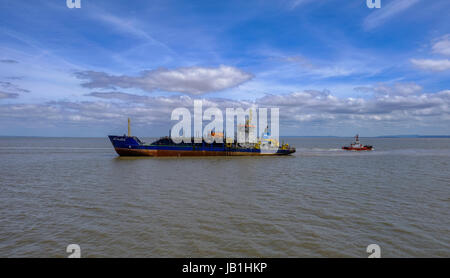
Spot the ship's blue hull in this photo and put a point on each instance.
(132, 146)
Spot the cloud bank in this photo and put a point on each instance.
(385, 105)
(432, 65)
(189, 80)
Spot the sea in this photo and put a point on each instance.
(319, 202)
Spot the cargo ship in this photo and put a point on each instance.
(128, 145)
(357, 146)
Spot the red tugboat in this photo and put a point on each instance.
(357, 146)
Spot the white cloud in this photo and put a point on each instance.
(118, 96)
(442, 46)
(403, 102)
(400, 105)
(386, 12)
(397, 89)
(190, 80)
(402, 108)
(432, 65)
(318, 68)
(295, 3)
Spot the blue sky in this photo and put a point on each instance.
(332, 67)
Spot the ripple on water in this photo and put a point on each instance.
(320, 202)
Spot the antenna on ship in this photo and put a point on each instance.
(129, 128)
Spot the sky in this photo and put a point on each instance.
(332, 67)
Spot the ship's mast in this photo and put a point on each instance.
(129, 128)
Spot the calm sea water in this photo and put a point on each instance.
(320, 202)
